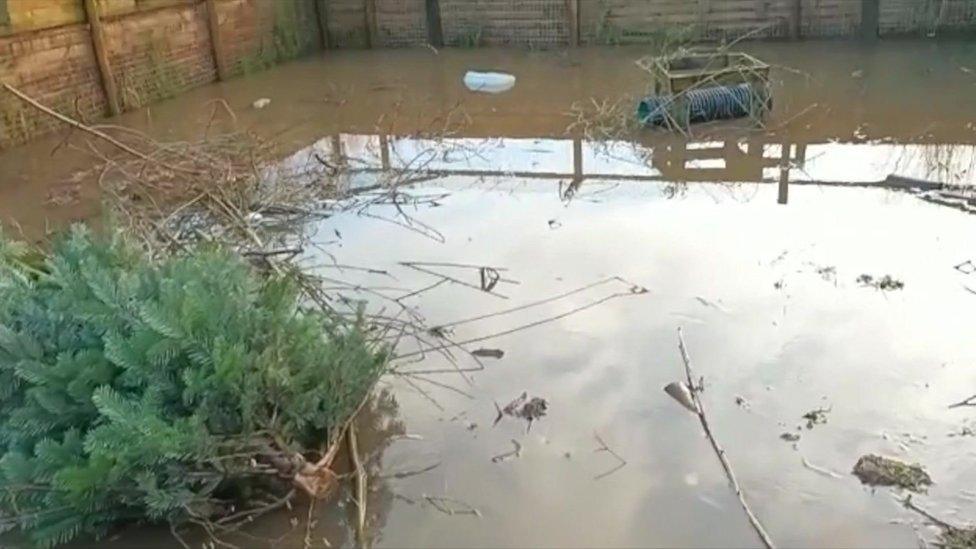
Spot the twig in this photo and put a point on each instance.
(437, 502)
(531, 304)
(423, 393)
(970, 401)
(695, 390)
(407, 474)
(516, 452)
(87, 129)
(909, 504)
(820, 470)
(604, 448)
(360, 486)
(309, 524)
(438, 371)
(435, 383)
(232, 521)
(481, 270)
(526, 326)
(177, 536)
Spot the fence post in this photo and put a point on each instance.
(101, 57)
(322, 16)
(371, 30)
(796, 20)
(704, 8)
(435, 27)
(216, 42)
(870, 19)
(572, 22)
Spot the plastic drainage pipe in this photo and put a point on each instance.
(703, 105)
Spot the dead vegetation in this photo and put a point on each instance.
(875, 470)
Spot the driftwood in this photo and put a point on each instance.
(695, 395)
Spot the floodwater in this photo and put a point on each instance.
(751, 242)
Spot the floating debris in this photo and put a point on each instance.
(790, 437)
(621, 462)
(523, 408)
(717, 305)
(679, 391)
(516, 452)
(821, 470)
(885, 283)
(440, 332)
(816, 417)
(261, 103)
(511, 407)
(533, 409)
(963, 432)
(874, 470)
(966, 267)
(489, 82)
(451, 507)
(488, 353)
(828, 273)
(741, 402)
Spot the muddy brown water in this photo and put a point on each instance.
(756, 259)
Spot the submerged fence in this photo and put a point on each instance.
(95, 57)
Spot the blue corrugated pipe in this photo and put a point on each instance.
(704, 104)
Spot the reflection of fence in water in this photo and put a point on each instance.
(730, 161)
(386, 160)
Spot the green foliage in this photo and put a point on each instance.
(138, 391)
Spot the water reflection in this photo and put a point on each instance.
(784, 336)
(381, 159)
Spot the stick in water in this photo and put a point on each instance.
(78, 125)
(695, 389)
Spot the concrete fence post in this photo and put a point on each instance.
(101, 57)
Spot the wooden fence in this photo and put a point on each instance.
(97, 57)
